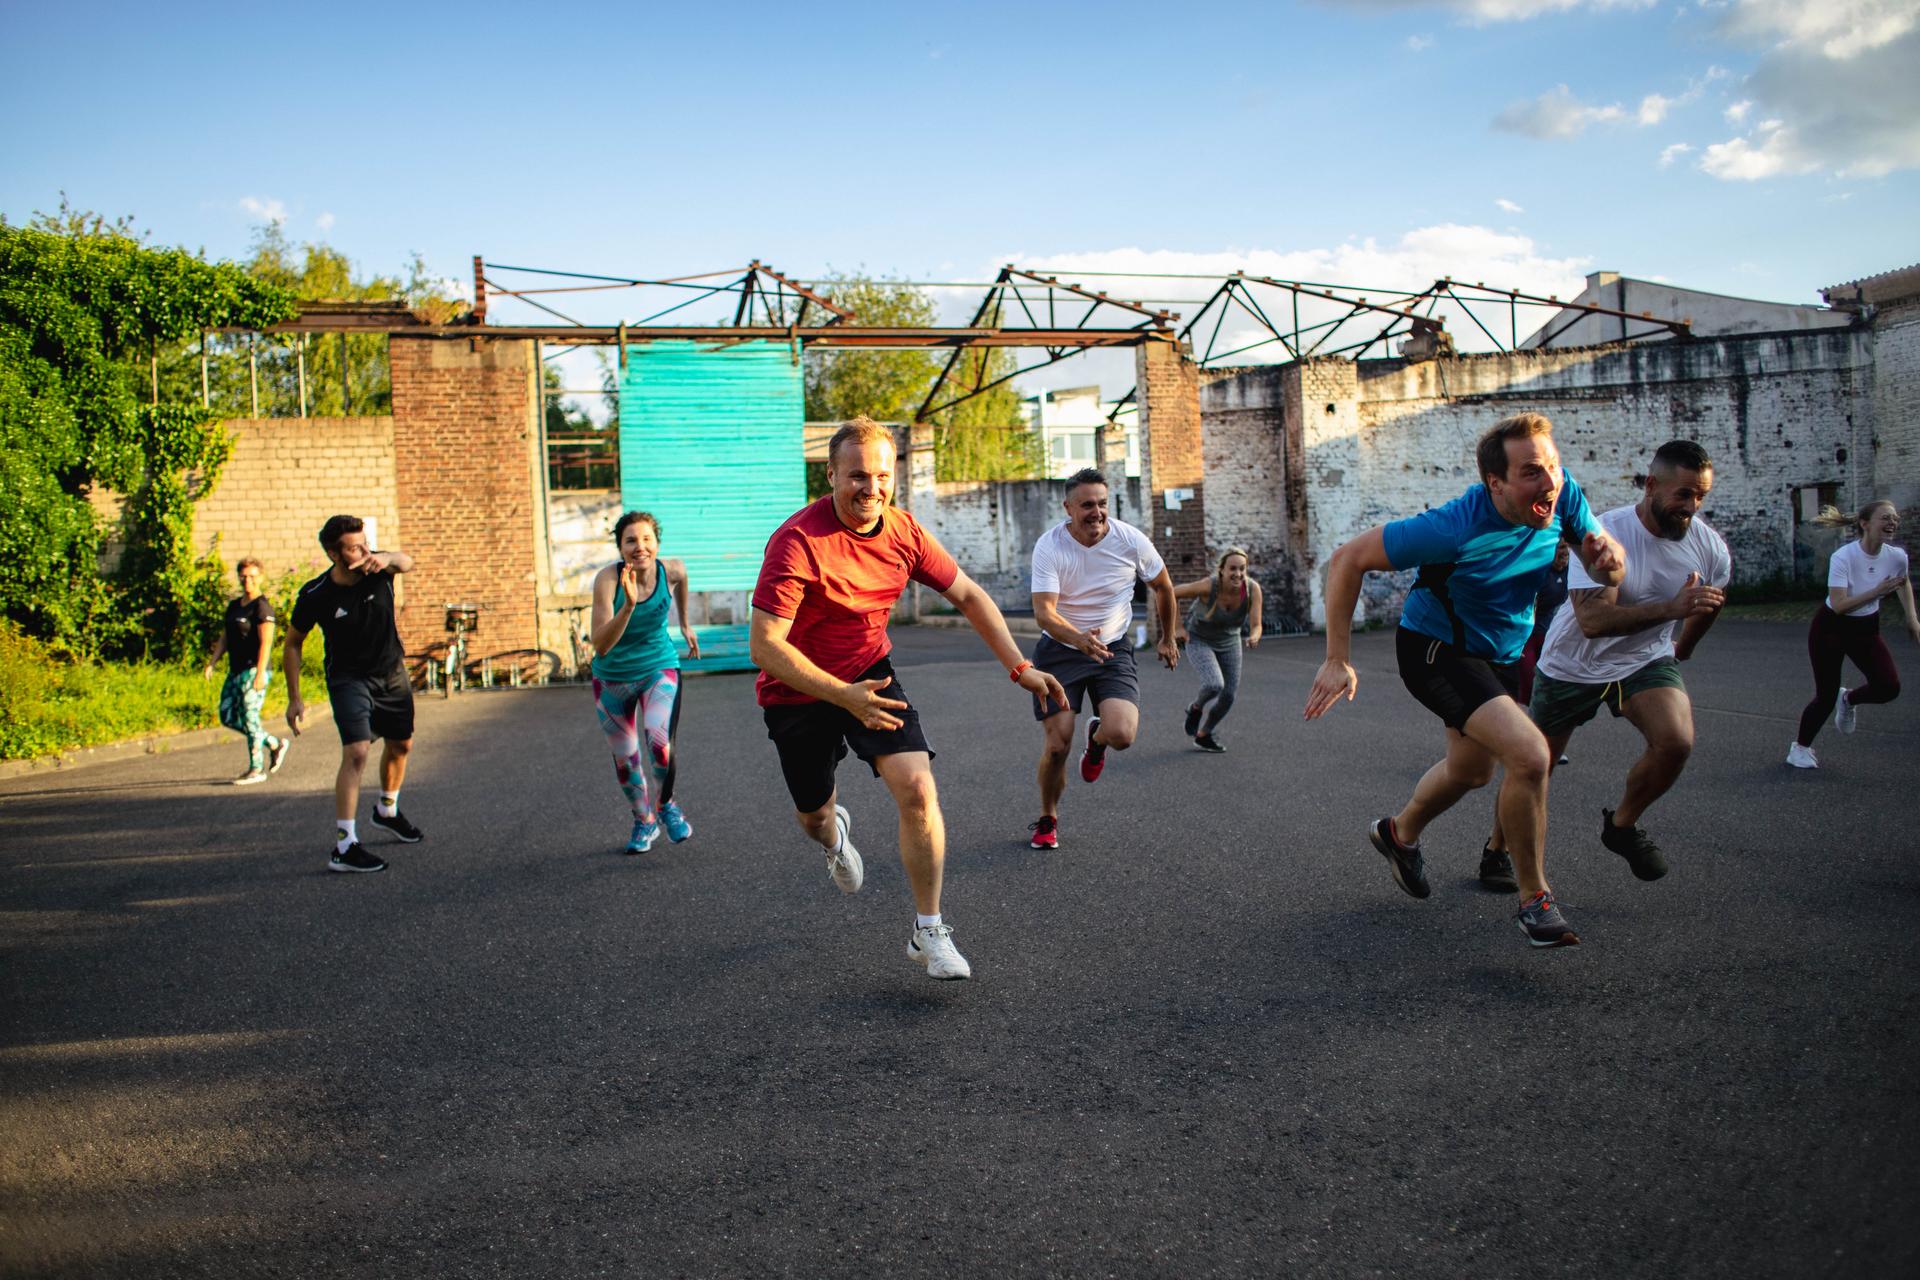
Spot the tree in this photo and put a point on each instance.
(980, 438)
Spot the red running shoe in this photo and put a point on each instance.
(1046, 833)
(1094, 758)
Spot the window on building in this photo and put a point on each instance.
(583, 434)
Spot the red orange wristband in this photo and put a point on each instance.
(1014, 675)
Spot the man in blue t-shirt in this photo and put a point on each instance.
(1482, 558)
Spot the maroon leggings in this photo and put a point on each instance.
(1832, 637)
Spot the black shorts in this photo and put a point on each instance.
(369, 707)
(1117, 677)
(813, 737)
(1448, 682)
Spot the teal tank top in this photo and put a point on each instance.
(645, 647)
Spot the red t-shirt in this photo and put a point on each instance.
(838, 587)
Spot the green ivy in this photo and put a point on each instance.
(82, 311)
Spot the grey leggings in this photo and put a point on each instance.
(1218, 664)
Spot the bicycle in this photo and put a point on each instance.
(463, 620)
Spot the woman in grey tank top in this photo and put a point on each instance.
(1224, 604)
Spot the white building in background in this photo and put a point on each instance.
(1067, 422)
(1713, 315)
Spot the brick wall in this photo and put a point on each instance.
(287, 475)
(1245, 446)
(990, 526)
(465, 479)
(1171, 455)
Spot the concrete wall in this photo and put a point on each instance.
(990, 527)
(1377, 440)
(1896, 406)
(1712, 315)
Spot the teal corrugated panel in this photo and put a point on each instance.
(710, 443)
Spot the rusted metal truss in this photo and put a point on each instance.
(1272, 307)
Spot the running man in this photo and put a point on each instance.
(1615, 647)
(830, 578)
(1223, 603)
(1481, 559)
(352, 604)
(636, 674)
(1847, 624)
(246, 637)
(1084, 569)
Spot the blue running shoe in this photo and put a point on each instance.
(678, 828)
(644, 834)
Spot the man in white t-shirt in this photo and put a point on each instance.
(1615, 646)
(1084, 570)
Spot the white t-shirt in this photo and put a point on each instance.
(1851, 570)
(1095, 584)
(1656, 570)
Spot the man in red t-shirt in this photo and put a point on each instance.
(830, 578)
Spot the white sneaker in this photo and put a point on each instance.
(1846, 716)
(932, 946)
(848, 872)
(1801, 757)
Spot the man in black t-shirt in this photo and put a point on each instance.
(352, 604)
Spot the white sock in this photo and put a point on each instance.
(343, 836)
(927, 922)
(389, 804)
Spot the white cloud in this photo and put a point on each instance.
(1508, 205)
(324, 222)
(1489, 11)
(1839, 83)
(1654, 108)
(1419, 44)
(1554, 114)
(1671, 153)
(267, 210)
(1737, 112)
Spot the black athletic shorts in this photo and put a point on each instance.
(369, 707)
(1449, 682)
(813, 737)
(1117, 677)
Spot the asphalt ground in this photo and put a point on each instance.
(1206, 1037)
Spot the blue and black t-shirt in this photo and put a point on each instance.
(1479, 572)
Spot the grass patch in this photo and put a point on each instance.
(50, 703)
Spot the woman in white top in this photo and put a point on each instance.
(1848, 624)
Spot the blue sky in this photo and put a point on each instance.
(1516, 141)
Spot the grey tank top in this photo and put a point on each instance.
(1209, 621)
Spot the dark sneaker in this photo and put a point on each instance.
(1094, 758)
(399, 825)
(278, 756)
(1496, 871)
(1193, 721)
(1632, 843)
(1409, 868)
(1046, 833)
(1207, 742)
(356, 858)
(1543, 924)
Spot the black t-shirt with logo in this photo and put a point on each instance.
(356, 619)
(244, 620)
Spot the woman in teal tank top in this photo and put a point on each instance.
(636, 674)
(1223, 604)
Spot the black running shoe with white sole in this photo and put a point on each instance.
(398, 824)
(1543, 924)
(1633, 844)
(356, 858)
(1409, 867)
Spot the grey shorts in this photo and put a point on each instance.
(1077, 674)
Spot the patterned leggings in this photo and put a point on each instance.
(628, 708)
(1218, 666)
(240, 706)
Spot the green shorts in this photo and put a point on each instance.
(1561, 706)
